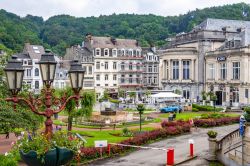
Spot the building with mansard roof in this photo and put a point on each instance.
(182, 63)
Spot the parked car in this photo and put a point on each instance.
(171, 108)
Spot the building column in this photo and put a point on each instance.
(169, 69)
(192, 69)
(180, 70)
(164, 69)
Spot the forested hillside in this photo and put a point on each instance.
(59, 32)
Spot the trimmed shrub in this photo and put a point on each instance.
(195, 110)
(215, 122)
(206, 108)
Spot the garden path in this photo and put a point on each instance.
(5, 144)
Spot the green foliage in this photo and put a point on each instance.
(7, 161)
(140, 108)
(177, 91)
(213, 116)
(212, 134)
(204, 95)
(121, 93)
(195, 110)
(247, 110)
(114, 101)
(87, 103)
(9, 119)
(61, 31)
(126, 132)
(41, 144)
(206, 108)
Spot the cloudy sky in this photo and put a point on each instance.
(84, 8)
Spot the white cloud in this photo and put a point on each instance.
(84, 8)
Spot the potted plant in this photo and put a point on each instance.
(39, 151)
(247, 113)
(204, 97)
(212, 134)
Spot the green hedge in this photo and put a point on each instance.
(7, 161)
(205, 108)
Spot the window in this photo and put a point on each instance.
(123, 52)
(122, 66)
(106, 77)
(114, 77)
(90, 70)
(97, 77)
(236, 70)
(223, 71)
(175, 70)
(36, 84)
(130, 52)
(155, 69)
(56, 85)
(97, 84)
(114, 65)
(130, 80)
(211, 71)
(138, 79)
(186, 71)
(246, 93)
(97, 51)
(29, 62)
(155, 80)
(150, 69)
(97, 65)
(149, 80)
(138, 53)
(25, 62)
(28, 72)
(36, 72)
(114, 52)
(186, 94)
(106, 84)
(150, 57)
(106, 52)
(114, 84)
(106, 66)
(138, 67)
(122, 78)
(130, 66)
(62, 85)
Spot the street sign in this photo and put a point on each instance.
(100, 144)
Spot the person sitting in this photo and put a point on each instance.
(174, 116)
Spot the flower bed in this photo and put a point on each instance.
(138, 140)
(215, 122)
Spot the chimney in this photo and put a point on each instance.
(113, 40)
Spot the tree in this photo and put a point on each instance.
(87, 103)
(132, 95)
(148, 93)
(140, 109)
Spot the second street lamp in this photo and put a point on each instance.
(14, 72)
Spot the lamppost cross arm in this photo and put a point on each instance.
(62, 107)
(31, 106)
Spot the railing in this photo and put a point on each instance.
(230, 142)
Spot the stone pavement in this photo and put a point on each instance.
(5, 144)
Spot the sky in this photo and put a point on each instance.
(86, 8)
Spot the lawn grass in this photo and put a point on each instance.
(192, 115)
(109, 135)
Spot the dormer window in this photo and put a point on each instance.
(130, 52)
(97, 51)
(106, 52)
(123, 52)
(138, 53)
(114, 52)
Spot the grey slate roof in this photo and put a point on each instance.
(218, 24)
(35, 51)
(106, 42)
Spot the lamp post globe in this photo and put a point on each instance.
(14, 72)
(76, 75)
(47, 65)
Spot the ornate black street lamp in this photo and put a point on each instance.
(14, 72)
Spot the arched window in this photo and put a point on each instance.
(36, 72)
(97, 51)
(106, 52)
(36, 84)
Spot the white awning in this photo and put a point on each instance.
(165, 95)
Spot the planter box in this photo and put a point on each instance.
(54, 157)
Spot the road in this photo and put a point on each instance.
(180, 144)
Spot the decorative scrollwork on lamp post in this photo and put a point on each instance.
(14, 73)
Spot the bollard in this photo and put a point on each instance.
(170, 156)
(109, 147)
(191, 147)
